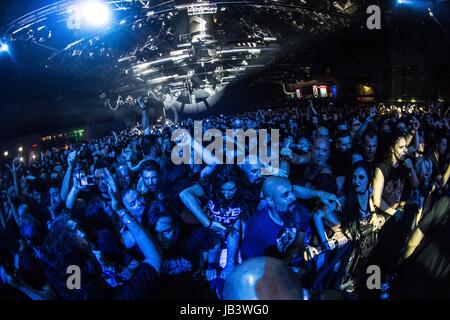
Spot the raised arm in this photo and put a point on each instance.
(65, 188)
(365, 124)
(232, 250)
(295, 158)
(14, 168)
(145, 119)
(14, 211)
(191, 199)
(308, 193)
(412, 176)
(73, 194)
(144, 241)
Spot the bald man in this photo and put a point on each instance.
(263, 278)
(278, 229)
(318, 173)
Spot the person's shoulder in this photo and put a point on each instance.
(258, 217)
(382, 166)
(327, 169)
(442, 206)
(142, 285)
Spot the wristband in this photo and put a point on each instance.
(127, 222)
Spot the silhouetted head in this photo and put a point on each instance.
(263, 278)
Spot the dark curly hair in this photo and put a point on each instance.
(62, 248)
(222, 174)
(389, 146)
(160, 209)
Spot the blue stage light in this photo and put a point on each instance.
(96, 13)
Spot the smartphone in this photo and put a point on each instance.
(87, 181)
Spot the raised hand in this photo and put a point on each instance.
(140, 102)
(76, 180)
(408, 163)
(127, 154)
(287, 152)
(415, 123)
(109, 180)
(183, 139)
(329, 199)
(372, 112)
(72, 158)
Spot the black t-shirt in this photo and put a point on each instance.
(30, 269)
(439, 167)
(184, 259)
(263, 237)
(371, 165)
(318, 178)
(142, 285)
(435, 247)
(394, 183)
(98, 215)
(341, 163)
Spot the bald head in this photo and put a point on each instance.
(262, 278)
(279, 194)
(273, 183)
(322, 132)
(320, 151)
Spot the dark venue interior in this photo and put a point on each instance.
(225, 150)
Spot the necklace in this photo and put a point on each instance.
(364, 215)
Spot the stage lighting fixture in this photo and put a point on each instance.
(20, 149)
(96, 13)
(6, 153)
(4, 47)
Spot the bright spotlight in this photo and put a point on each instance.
(96, 13)
(4, 47)
(21, 159)
(6, 153)
(20, 149)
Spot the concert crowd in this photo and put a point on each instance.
(359, 188)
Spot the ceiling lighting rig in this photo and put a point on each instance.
(180, 52)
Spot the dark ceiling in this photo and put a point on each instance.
(46, 85)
